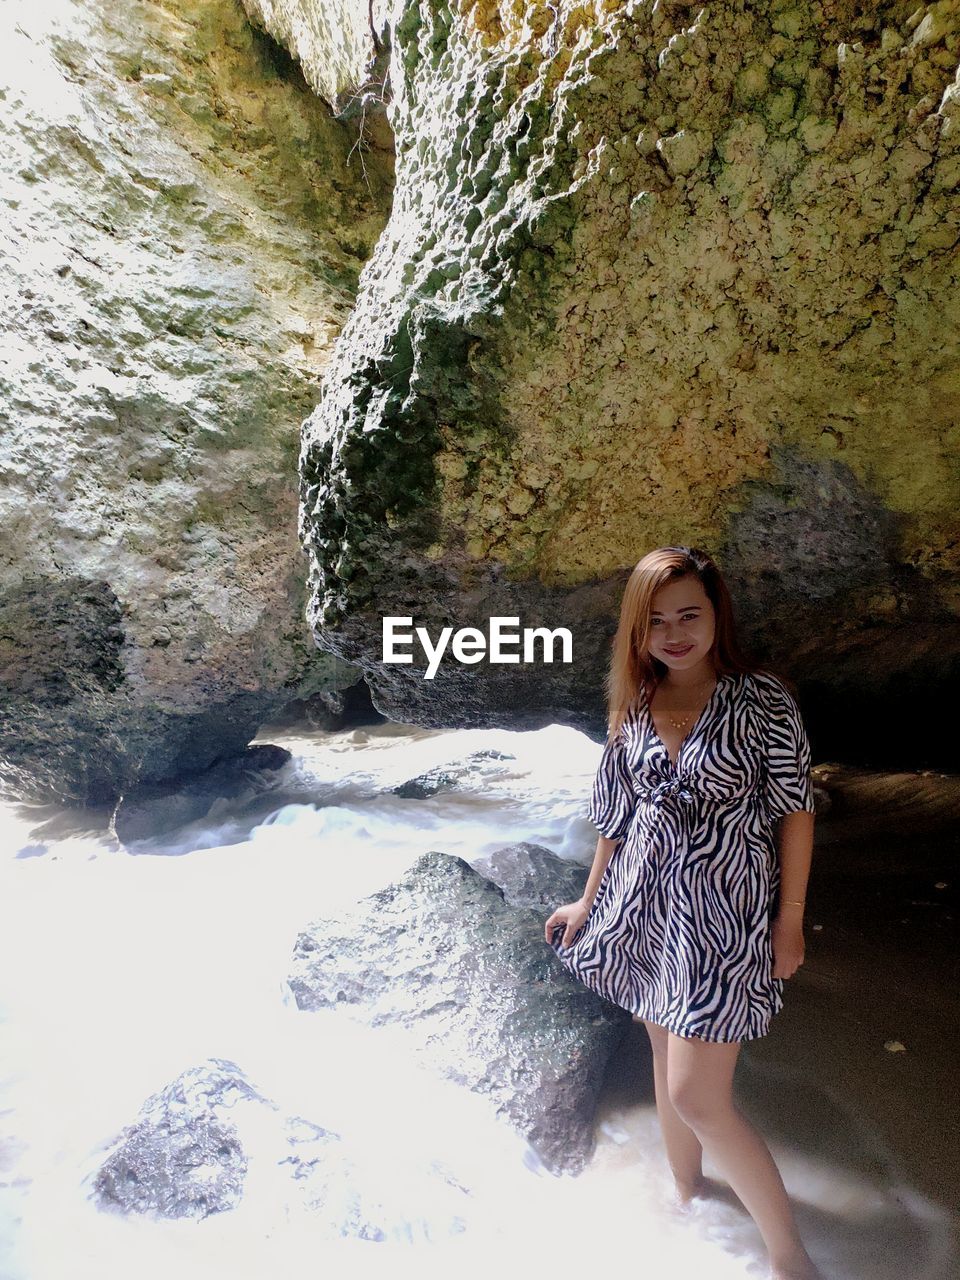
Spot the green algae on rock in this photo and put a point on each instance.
(643, 263)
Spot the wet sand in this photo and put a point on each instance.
(882, 970)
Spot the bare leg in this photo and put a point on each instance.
(684, 1151)
(700, 1082)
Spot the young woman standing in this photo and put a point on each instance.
(692, 916)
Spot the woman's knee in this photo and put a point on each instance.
(700, 1084)
(699, 1105)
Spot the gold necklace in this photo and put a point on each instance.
(679, 724)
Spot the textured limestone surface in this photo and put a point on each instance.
(184, 223)
(335, 43)
(654, 273)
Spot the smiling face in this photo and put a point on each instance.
(682, 621)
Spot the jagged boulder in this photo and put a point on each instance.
(531, 876)
(467, 774)
(198, 1142)
(478, 993)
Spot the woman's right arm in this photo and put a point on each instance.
(612, 804)
(605, 848)
(572, 916)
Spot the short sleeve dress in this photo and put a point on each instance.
(679, 929)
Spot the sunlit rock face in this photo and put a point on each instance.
(210, 1138)
(446, 955)
(338, 44)
(653, 274)
(182, 1156)
(184, 226)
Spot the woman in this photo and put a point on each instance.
(692, 914)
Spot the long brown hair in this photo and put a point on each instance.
(632, 670)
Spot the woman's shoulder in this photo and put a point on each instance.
(628, 728)
(769, 689)
(765, 680)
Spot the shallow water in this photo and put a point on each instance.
(119, 970)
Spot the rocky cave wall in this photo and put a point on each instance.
(655, 273)
(185, 222)
(649, 273)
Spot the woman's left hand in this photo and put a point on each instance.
(787, 938)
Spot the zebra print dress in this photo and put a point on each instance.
(679, 929)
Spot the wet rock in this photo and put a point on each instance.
(427, 784)
(531, 876)
(450, 776)
(152, 811)
(182, 1158)
(195, 1143)
(479, 993)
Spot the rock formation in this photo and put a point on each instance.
(210, 1138)
(444, 954)
(185, 222)
(654, 273)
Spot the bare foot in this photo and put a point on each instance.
(704, 1188)
(684, 1192)
(801, 1268)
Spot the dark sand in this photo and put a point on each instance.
(882, 968)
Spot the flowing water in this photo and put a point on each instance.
(119, 970)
